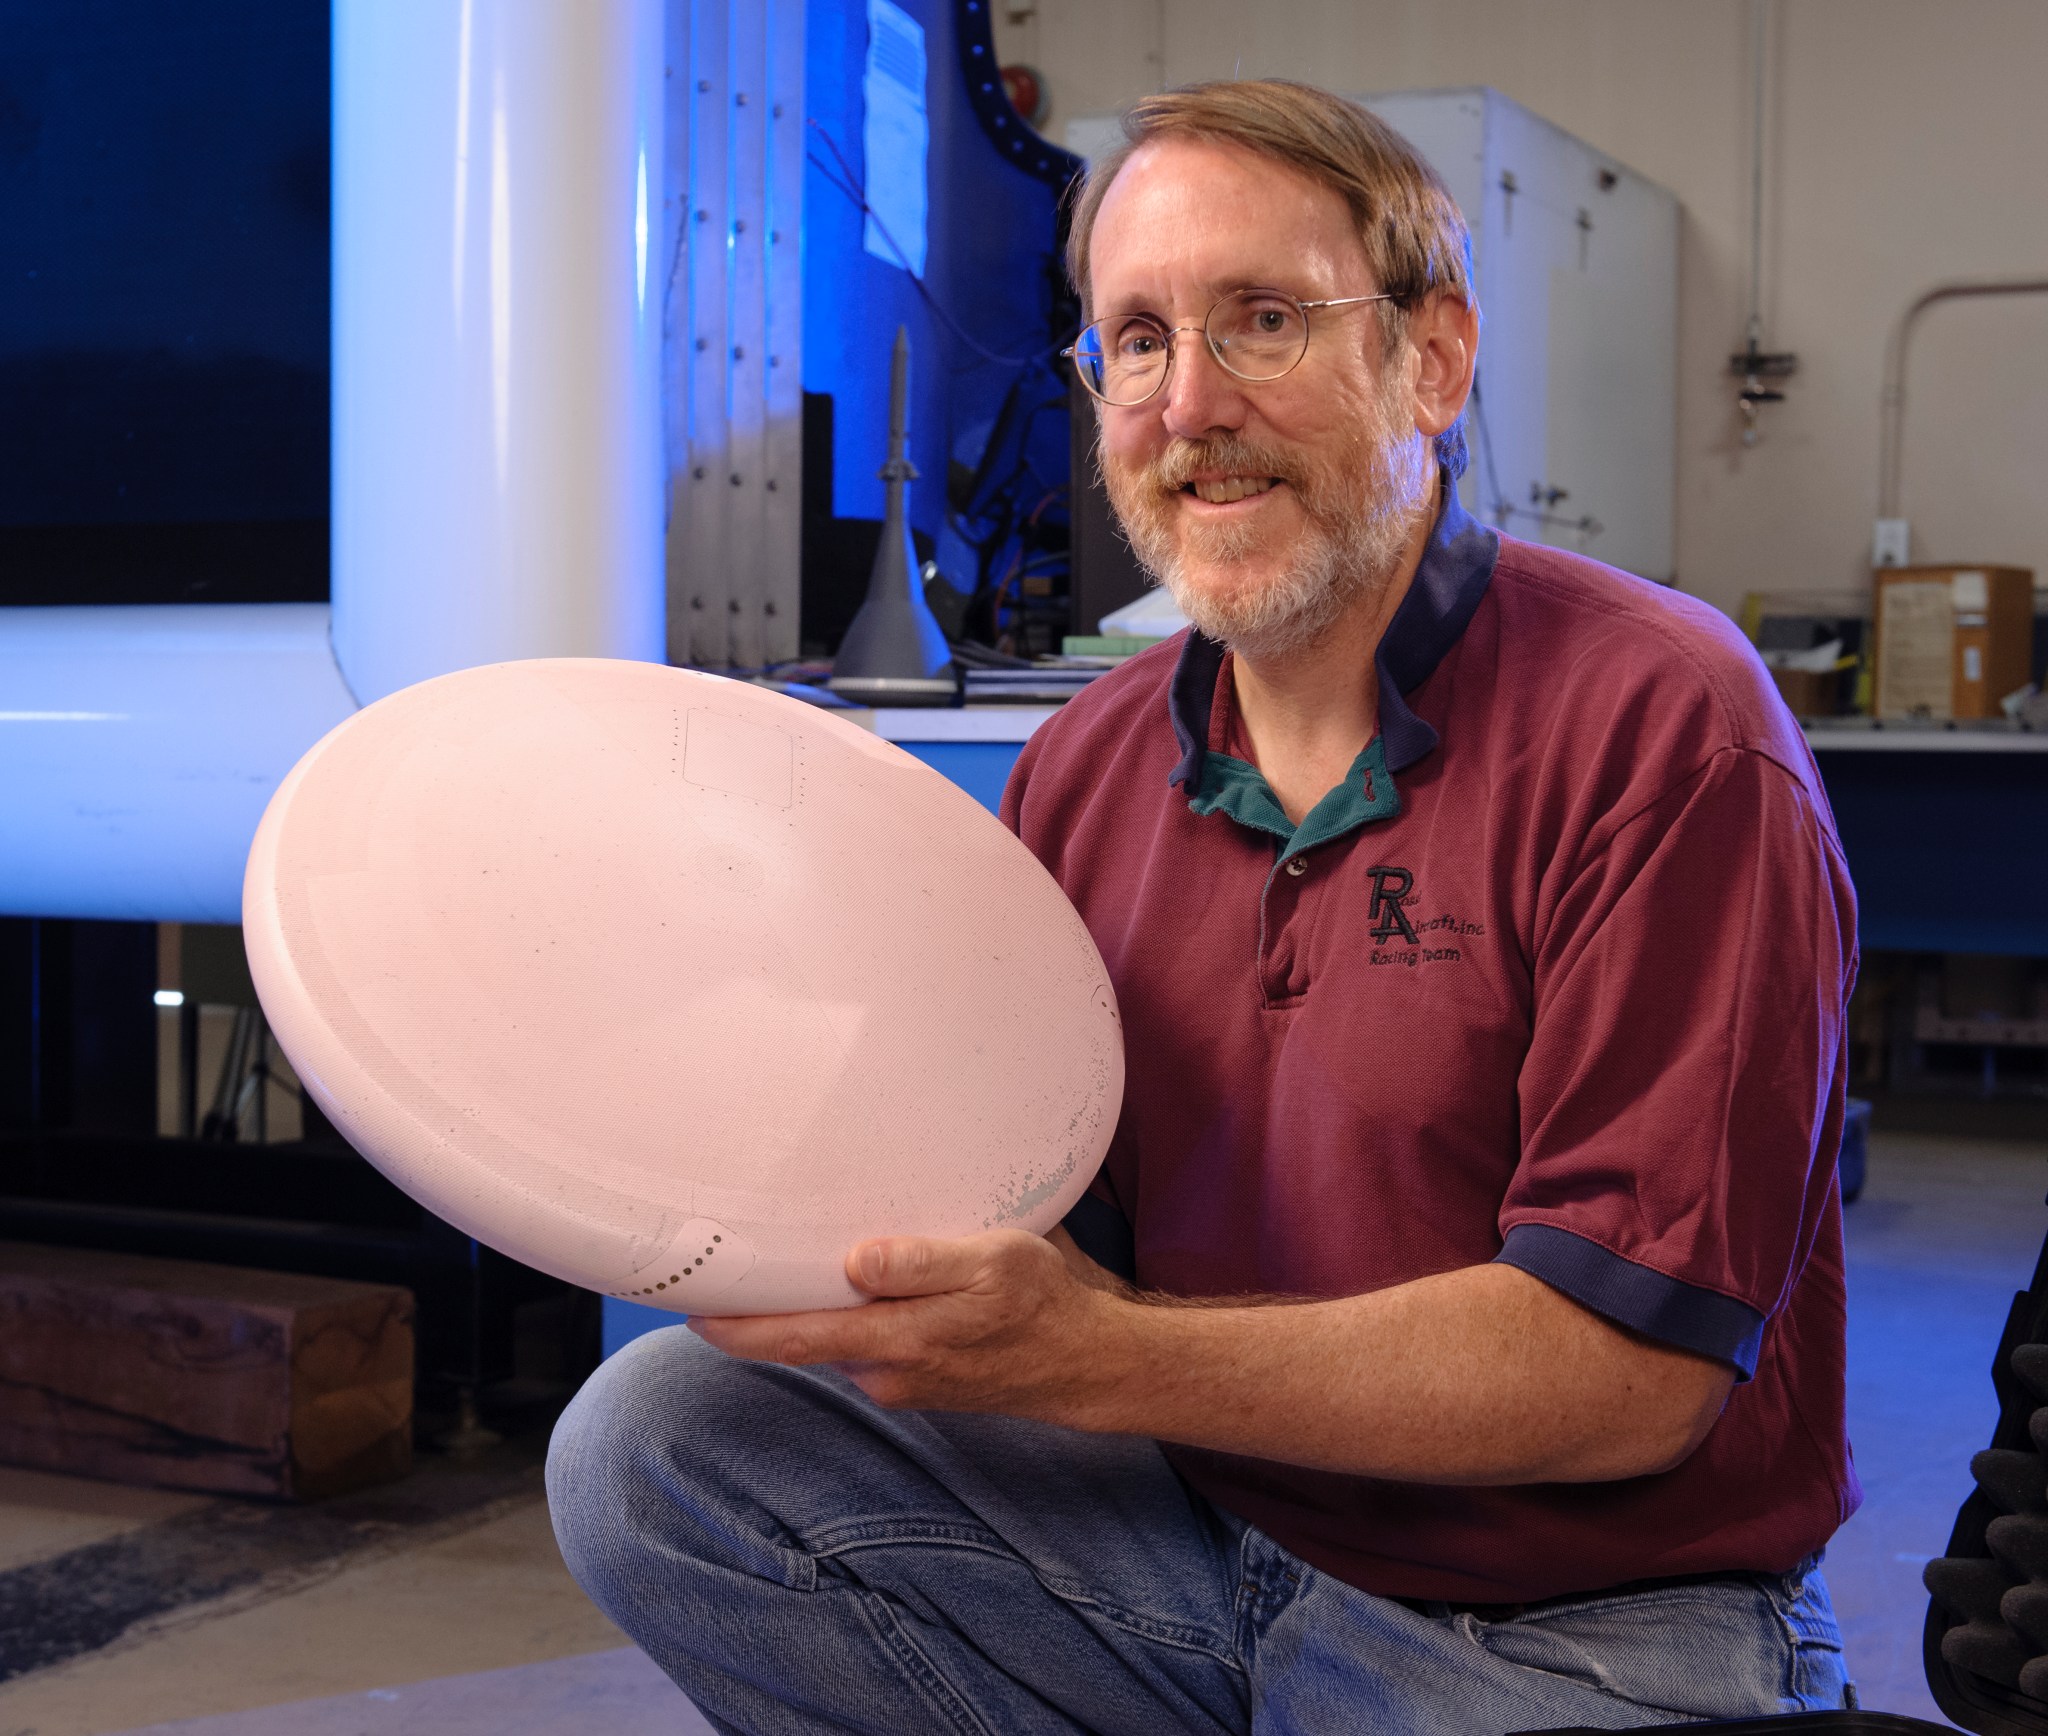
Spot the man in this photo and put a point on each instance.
(1481, 942)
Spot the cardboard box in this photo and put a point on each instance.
(1809, 692)
(1951, 642)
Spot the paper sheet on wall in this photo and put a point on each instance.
(1916, 638)
(896, 137)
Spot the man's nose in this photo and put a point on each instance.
(1200, 393)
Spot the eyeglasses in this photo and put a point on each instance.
(1256, 334)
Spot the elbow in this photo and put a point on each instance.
(1649, 1439)
(1667, 1448)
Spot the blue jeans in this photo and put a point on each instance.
(798, 1559)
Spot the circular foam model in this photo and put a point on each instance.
(674, 987)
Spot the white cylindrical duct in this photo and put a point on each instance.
(497, 430)
(497, 461)
(138, 747)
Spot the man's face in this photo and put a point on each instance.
(1184, 223)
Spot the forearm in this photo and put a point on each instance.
(1481, 1376)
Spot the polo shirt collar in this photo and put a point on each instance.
(1456, 567)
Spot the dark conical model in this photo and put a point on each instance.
(894, 653)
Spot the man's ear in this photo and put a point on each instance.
(1444, 333)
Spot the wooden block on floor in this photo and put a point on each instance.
(193, 1376)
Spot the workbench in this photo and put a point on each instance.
(1946, 831)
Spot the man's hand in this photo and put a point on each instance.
(1004, 1321)
(1479, 1376)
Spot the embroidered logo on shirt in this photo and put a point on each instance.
(1391, 889)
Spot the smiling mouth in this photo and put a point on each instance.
(1230, 488)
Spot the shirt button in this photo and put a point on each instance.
(1297, 866)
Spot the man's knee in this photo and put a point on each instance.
(612, 1458)
(650, 1471)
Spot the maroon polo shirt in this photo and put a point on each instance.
(1555, 977)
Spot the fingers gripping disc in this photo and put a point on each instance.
(609, 964)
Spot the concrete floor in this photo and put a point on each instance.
(474, 1625)
(1946, 1231)
(43, 1515)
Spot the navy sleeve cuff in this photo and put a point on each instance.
(1644, 1301)
(1100, 1231)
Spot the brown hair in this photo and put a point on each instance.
(1415, 237)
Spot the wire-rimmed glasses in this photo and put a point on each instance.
(1256, 334)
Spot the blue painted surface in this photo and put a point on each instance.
(981, 768)
(163, 315)
(1949, 851)
(991, 233)
(626, 1321)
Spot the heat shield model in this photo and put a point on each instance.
(673, 987)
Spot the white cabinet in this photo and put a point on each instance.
(1573, 431)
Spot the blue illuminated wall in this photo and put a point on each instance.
(991, 266)
(164, 310)
(163, 307)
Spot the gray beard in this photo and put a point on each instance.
(1358, 527)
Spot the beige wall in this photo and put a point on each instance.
(1907, 143)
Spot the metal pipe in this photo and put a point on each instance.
(188, 1070)
(1892, 403)
(497, 458)
(497, 364)
(1760, 18)
(139, 744)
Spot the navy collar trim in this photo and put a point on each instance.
(1456, 567)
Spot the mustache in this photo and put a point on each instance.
(1184, 460)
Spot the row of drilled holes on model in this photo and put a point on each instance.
(673, 1277)
(2002, 1603)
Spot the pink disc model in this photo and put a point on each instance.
(674, 987)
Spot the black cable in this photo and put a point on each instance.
(850, 187)
(953, 328)
(999, 508)
(991, 448)
(1501, 509)
(1504, 509)
(997, 503)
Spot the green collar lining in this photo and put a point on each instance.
(1230, 786)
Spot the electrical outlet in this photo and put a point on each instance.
(1890, 543)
